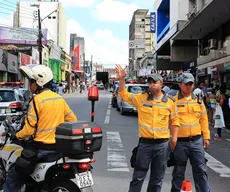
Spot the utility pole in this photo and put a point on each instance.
(39, 37)
(84, 66)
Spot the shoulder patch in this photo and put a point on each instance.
(171, 97)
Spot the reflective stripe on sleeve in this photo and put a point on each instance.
(45, 130)
(68, 114)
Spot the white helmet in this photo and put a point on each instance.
(40, 73)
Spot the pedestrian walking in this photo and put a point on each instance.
(155, 111)
(60, 89)
(193, 136)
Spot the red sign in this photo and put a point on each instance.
(76, 54)
(24, 59)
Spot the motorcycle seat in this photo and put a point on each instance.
(50, 158)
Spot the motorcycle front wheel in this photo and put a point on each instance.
(64, 186)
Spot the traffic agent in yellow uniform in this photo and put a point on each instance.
(45, 112)
(155, 111)
(193, 136)
(49, 117)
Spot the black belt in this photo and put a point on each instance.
(152, 141)
(188, 139)
(42, 146)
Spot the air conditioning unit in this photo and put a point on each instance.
(212, 43)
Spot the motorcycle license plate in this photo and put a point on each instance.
(84, 179)
(2, 111)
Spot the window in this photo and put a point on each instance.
(54, 17)
(140, 25)
(137, 89)
(7, 96)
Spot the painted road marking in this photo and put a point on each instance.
(116, 159)
(107, 117)
(217, 166)
(228, 139)
(108, 112)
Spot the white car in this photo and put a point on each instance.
(125, 107)
(99, 85)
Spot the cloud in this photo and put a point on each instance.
(110, 10)
(102, 44)
(77, 3)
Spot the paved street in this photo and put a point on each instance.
(112, 171)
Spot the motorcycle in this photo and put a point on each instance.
(54, 173)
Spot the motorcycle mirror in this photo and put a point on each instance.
(27, 95)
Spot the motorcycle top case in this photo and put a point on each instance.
(78, 137)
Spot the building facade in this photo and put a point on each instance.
(139, 37)
(56, 23)
(75, 41)
(209, 29)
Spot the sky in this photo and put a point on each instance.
(103, 23)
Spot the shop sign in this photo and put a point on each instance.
(201, 72)
(24, 59)
(12, 61)
(215, 75)
(11, 35)
(153, 22)
(227, 66)
(3, 61)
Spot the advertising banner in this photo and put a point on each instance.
(75, 54)
(153, 22)
(21, 35)
(24, 59)
(35, 56)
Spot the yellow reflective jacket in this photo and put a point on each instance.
(52, 110)
(153, 115)
(193, 117)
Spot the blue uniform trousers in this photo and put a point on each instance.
(157, 155)
(194, 151)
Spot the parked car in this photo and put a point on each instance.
(99, 85)
(125, 107)
(114, 97)
(11, 102)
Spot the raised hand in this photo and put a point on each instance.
(120, 71)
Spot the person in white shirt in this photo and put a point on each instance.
(199, 90)
(60, 89)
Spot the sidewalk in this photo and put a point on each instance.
(75, 94)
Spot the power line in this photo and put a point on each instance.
(10, 13)
(22, 15)
(24, 12)
(22, 7)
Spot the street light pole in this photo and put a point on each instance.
(39, 37)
